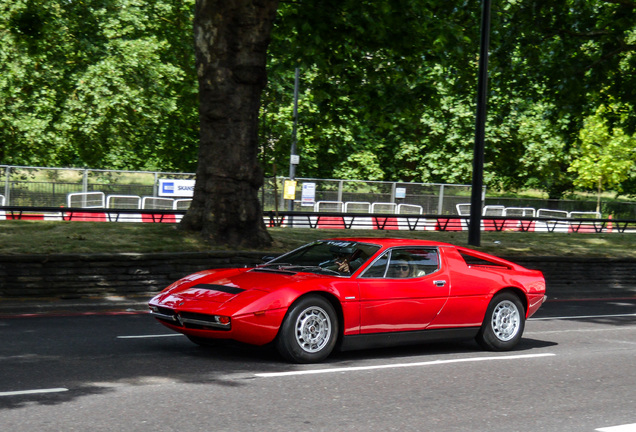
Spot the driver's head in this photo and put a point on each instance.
(400, 268)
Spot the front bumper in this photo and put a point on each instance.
(191, 319)
(257, 328)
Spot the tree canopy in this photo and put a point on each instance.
(387, 88)
(101, 83)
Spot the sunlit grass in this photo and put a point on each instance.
(50, 237)
(93, 237)
(500, 243)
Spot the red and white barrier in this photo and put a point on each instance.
(397, 223)
(79, 216)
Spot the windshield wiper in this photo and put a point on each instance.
(312, 269)
(275, 265)
(296, 268)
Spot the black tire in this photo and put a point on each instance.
(309, 332)
(503, 324)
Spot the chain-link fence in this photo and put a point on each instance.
(355, 195)
(51, 187)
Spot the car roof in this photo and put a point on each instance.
(392, 242)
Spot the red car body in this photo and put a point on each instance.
(448, 297)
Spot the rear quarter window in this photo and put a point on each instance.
(478, 262)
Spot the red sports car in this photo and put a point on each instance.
(351, 293)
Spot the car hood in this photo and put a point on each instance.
(224, 285)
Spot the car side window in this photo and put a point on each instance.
(378, 268)
(424, 261)
(404, 263)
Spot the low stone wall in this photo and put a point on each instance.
(577, 277)
(73, 276)
(94, 275)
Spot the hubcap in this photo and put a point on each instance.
(313, 329)
(505, 320)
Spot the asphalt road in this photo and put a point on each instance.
(575, 370)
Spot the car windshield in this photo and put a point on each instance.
(337, 257)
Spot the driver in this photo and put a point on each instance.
(399, 269)
(346, 260)
(342, 263)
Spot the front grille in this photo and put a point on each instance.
(169, 321)
(165, 311)
(191, 320)
(198, 316)
(201, 321)
(166, 315)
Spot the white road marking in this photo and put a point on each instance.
(582, 317)
(398, 365)
(149, 336)
(38, 391)
(612, 329)
(620, 428)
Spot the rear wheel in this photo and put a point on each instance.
(309, 331)
(504, 323)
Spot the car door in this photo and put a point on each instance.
(403, 290)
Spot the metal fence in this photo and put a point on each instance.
(51, 187)
(367, 196)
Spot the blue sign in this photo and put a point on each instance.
(176, 188)
(167, 188)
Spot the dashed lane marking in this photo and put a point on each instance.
(149, 336)
(30, 392)
(620, 428)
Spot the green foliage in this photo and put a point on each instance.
(369, 70)
(396, 80)
(387, 89)
(606, 155)
(105, 83)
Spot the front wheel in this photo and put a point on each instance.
(504, 323)
(309, 332)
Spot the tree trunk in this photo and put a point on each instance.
(231, 39)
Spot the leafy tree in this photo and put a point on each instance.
(401, 87)
(402, 100)
(607, 154)
(370, 68)
(578, 48)
(387, 87)
(105, 83)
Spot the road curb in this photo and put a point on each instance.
(87, 306)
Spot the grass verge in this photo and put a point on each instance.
(48, 237)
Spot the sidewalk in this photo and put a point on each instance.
(79, 306)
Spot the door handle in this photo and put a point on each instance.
(439, 283)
